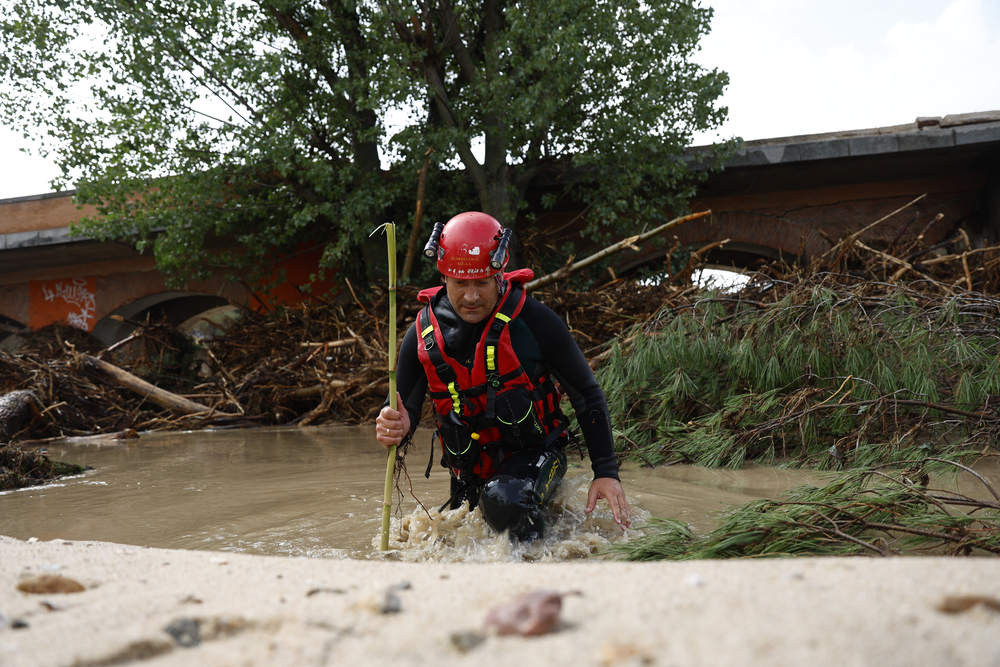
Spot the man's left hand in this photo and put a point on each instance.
(610, 488)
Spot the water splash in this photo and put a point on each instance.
(461, 535)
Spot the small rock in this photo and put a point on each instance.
(535, 613)
(385, 602)
(382, 602)
(390, 603)
(15, 623)
(49, 583)
(960, 603)
(466, 640)
(185, 631)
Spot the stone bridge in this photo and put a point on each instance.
(47, 277)
(790, 197)
(794, 197)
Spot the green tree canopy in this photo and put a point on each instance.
(278, 121)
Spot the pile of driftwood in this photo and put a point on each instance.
(960, 263)
(326, 362)
(320, 363)
(874, 341)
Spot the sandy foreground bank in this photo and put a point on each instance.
(233, 609)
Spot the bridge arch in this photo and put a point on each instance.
(9, 328)
(182, 309)
(91, 302)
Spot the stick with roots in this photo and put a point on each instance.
(390, 466)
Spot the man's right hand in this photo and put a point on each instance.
(391, 425)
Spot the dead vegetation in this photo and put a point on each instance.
(871, 344)
(325, 362)
(20, 468)
(879, 362)
(320, 363)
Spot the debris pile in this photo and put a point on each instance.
(814, 364)
(20, 468)
(879, 364)
(326, 362)
(320, 363)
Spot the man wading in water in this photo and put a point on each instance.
(487, 355)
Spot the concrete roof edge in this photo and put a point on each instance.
(932, 122)
(44, 195)
(921, 123)
(955, 120)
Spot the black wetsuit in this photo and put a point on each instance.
(542, 344)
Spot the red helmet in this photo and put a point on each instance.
(467, 244)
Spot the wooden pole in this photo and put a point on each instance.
(390, 465)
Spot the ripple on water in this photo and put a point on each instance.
(461, 535)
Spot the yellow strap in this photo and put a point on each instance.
(455, 400)
(430, 328)
(491, 350)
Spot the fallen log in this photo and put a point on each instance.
(151, 392)
(567, 271)
(596, 361)
(317, 390)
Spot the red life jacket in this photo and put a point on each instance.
(495, 408)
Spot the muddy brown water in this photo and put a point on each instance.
(318, 493)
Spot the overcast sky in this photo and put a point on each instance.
(810, 66)
(795, 67)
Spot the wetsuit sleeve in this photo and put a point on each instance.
(562, 357)
(411, 380)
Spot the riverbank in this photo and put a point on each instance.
(175, 607)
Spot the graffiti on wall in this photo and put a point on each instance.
(72, 302)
